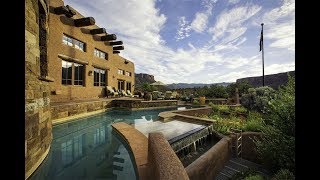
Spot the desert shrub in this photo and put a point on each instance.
(257, 99)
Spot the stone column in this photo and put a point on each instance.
(38, 125)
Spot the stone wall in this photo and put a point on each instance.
(163, 163)
(38, 127)
(212, 162)
(68, 110)
(137, 104)
(272, 80)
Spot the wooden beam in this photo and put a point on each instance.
(108, 37)
(117, 48)
(71, 13)
(116, 43)
(61, 10)
(66, 10)
(97, 31)
(116, 52)
(87, 21)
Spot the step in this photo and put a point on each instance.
(221, 176)
(236, 165)
(116, 159)
(228, 172)
(115, 167)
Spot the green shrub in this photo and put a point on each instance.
(283, 174)
(195, 102)
(277, 146)
(250, 173)
(240, 109)
(257, 99)
(211, 104)
(254, 177)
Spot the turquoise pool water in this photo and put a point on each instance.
(88, 148)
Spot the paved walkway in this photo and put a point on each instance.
(236, 165)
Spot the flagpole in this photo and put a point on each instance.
(262, 56)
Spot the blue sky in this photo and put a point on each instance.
(199, 41)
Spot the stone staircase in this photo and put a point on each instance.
(235, 165)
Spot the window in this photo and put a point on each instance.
(67, 68)
(120, 85)
(66, 73)
(129, 86)
(100, 54)
(73, 42)
(78, 74)
(120, 71)
(99, 77)
(128, 73)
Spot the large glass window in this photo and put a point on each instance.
(99, 77)
(120, 85)
(66, 73)
(100, 54)
(72, 42)
(78, 74)
(67, 69)
(128, 86)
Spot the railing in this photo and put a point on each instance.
(237, 147)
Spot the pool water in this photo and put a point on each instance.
(88, 148)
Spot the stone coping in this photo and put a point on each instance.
(159, 101)
(77, 117)
(171, 115)
(138, 144)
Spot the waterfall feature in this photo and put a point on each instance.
(191, 145)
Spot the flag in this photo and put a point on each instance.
(261, 39)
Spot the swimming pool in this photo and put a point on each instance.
(88, 149)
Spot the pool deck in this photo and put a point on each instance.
(138, 143)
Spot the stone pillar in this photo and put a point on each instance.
(38, 126)
(237, 96)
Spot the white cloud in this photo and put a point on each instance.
(280, 25)
(233, 1)
(199, 24)
(138, 25)
(184, 29)
(230, 22)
